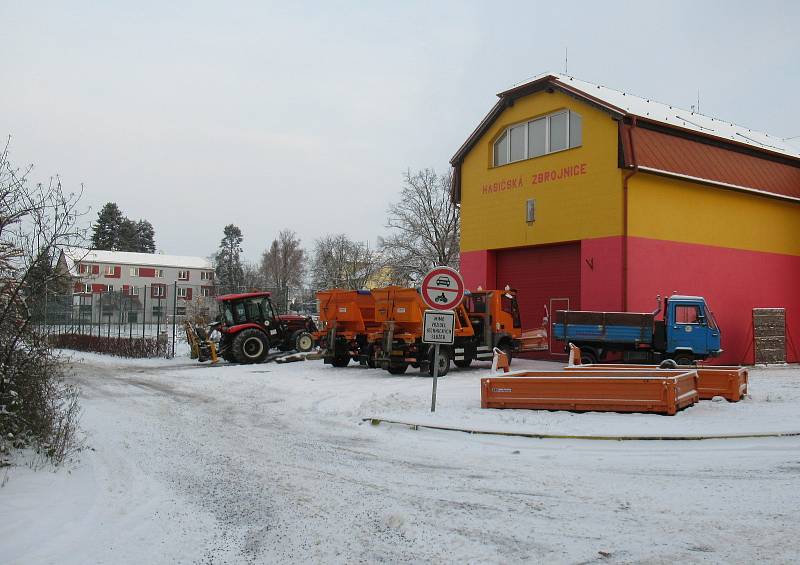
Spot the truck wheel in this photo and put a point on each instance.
(303, 341)
(463, 363)
(397, 368)
(250, 346)
(371, 357)
(588, 357)
(505, 347)
(341, 361)
(684, 359)
(444, 361)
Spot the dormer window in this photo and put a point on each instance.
(548, 134)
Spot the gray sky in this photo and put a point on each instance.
(304, 115)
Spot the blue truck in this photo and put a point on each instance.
(686, 333)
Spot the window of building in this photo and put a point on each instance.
(134, 291)
(180, 310)
(85, 269)
(206, 275)
(109, 288)
(159, 273)
(205, 291)
(159, 291)
(87, 288)
(182, 292)
(134, 271)
(556, 132)
(109, 270)
(183, 275)
(157, 311)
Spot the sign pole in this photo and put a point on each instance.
(435, 376)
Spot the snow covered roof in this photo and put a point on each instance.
(78, 254)
(647, 108)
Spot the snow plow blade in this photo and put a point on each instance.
(665, 392)
(729, 382)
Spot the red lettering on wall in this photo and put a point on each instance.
(536, 178)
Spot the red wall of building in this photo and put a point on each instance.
(733, 282)
(601, 274)
(478, 268)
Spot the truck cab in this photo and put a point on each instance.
(689, 329)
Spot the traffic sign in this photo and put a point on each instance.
(442, 288)
(439, 327)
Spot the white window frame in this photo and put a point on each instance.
(133, 290)
(206, 275)
(182, 292)
(527, 124)
(183, 274)
(109, 270)
(205, 291)
(159, 273)
(87, 288)
(134, 271)
(109, 288)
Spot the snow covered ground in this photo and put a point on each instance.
(194, 463)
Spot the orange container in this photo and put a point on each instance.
(353, 311)
(730, 382)
(664, 392)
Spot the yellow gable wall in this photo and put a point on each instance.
(676, 210)
(586, 204)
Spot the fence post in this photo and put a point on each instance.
(99, 314)
(144, 310)
(174, 314)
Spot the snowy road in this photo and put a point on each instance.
(271, 464)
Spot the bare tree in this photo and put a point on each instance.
(340, 262)
(36, 405)
(425, 225)
(283, 265)
(253, 277)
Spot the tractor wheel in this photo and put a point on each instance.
(444, 361)
(684, 359)
(303, 341)
(397, 368)
(250, 346)
(341, 361)
(226, 350)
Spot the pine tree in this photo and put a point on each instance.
(105, 232)
(127, 238)
(146, 237)
(230, 274)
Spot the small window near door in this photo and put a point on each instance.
(687, 314)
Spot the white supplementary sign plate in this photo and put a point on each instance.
(439, 327)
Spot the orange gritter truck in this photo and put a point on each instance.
(347, 317)
(484, 320)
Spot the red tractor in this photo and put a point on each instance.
(250, 328)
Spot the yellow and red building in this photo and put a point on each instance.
(585, 197)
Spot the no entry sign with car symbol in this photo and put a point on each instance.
(443, 288)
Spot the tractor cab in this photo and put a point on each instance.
(250, 328)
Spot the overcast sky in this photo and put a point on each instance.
(304, 115)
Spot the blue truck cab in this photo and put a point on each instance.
(686, 332)
(690, 328)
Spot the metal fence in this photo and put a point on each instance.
(147, 312)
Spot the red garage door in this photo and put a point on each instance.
(548, 276)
